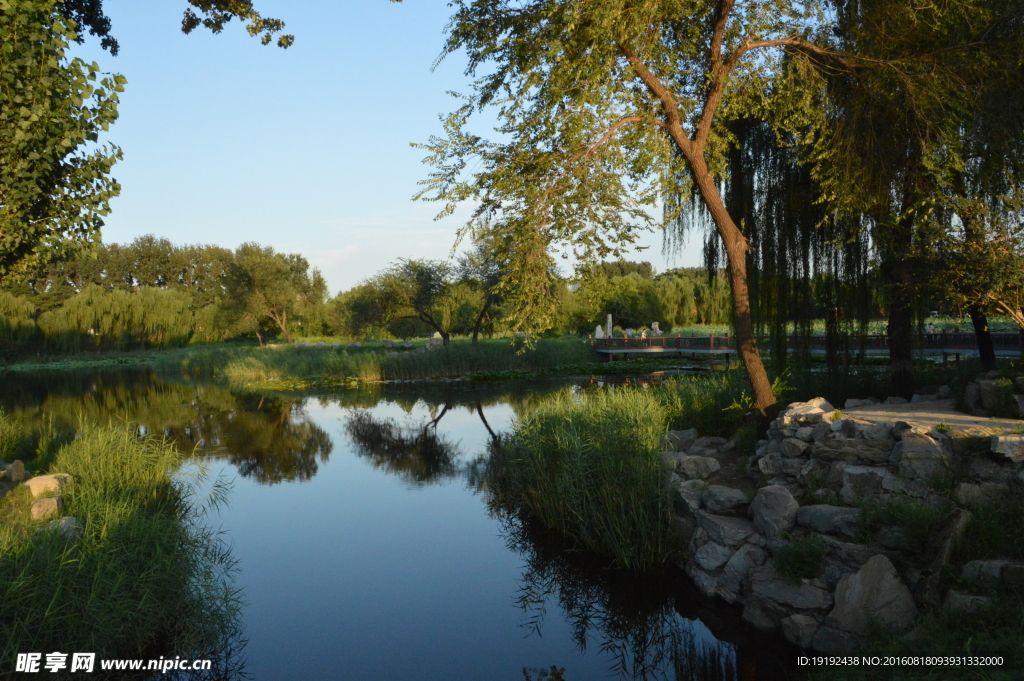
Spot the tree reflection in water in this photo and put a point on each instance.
(632, 615)
(415, 453)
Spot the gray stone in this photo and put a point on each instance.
(1017, 405)
(42, 509)
(16, 472)
(987, 470)
(770, 465)
(683, 526)
(738, 566)
(67, 527)
(967, 494)
(762, 614)
(891, 537)
(707, 584)
(972, 396)
(853, 450)
(769, 584)
(712, 556)
(407, 345)
(47, 484)
(710, 442)
(829, 640)
(806, 433)
(388, 344)
(923, 398)
(773, 510)
(873, 593)
(793, 447)
(799, 629)
(895, 400)
(723, 500)
(849, 554)
(813, 472)
(692, 491)
(984, 572)
(995, 393)
(853, 403)
(916, 488)
(724, 529)
(792, 467)
(861, 482)
(896, 455)
(825, 518)
(820, 403)
(698, 467)
(922, 457)
(678, 440)
(1008, 447)
(962, 602)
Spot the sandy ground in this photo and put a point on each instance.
(929, 414)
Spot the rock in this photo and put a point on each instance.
(770, 465)
(678, 440)
(697, 466)
(773, 510)
(692, 491)
(806, 595)
(985, 469)
(683, 526)
(1008, 447)
(851, 555)
(67, 527)
(827, 519)
(995, 393)
(853, 450)
(923, 398)
(829, 640)
(16, 472)
(1018, 383)
(892, 537)
(853, 403)
(1017, 405)
(799, 629)
(896, 455)
(861, 482)
(762, 614)
(707, 584)
(986, 573)
(792, 467)
(723, 500)
(895, 400)
(388, 344)
(821, 403)
(793, 447)
(724, 529)
(962, 602)
(407, 345)
(873, 593)
(708, 442)
(916, 488)
(712, 556)
(44, 484)
(967, 494)
(806, 433)
(738, 566)
(922, 457)
(46, 508)
(972, 397)
(941, 549)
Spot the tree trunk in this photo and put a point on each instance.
(480, 318)
(736, 251)
(986, 348)
(901, 346)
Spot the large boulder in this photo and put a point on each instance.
(48, 484)
(770, 465)
(724, 530)
(691, 491)
(737, 568)
(793, 447)
(805, 595)
(854, 450)
(995, 393)
(42, 509)
(825, 518)
(678, 440)
(724, 500)
(1008, 447)
(922, 456)
(862, 482)
(712, 556)
(872, 594)
(697, 467)
(799, 629)
(773, 510)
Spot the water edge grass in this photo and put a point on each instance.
(146, 578)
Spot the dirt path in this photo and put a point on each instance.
(930, 414)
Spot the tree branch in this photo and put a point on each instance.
(674, 123)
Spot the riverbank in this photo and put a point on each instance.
(103, 550)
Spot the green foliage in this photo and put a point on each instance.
(997, 530)
(914, 517)
(801, 558)
(55, 182)
(145, 577)
(589, 467)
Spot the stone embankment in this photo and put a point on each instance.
(810, 481)
(45, 492)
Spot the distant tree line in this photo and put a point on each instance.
(151, 293)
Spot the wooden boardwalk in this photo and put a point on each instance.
(945, 344)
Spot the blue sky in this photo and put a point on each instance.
(305, 149)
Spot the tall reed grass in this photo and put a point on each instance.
(589, 466)
(145, 579)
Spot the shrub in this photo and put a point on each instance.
(801, 558)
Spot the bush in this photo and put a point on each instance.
(589, 467)
(801, 558)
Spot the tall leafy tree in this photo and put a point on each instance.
(606, 105)
(55, 183)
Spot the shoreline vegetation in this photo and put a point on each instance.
(140, 576)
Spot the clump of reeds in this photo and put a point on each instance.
(589, 466)
(146, 578)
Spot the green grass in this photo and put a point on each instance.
(145, 579)
(589, 467)
(801, 558)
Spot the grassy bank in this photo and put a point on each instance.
(145, 578)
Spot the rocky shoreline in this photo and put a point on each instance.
(809, 485)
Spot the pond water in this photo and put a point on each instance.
(367, 549)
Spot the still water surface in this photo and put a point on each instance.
(367, 550)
